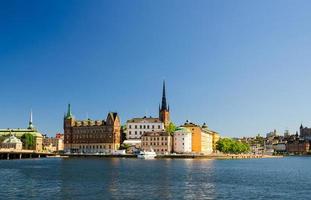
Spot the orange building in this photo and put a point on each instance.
(202, 141)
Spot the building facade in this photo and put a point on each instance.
(298, 146)
(54, 144)
(160, 142)
(305, 132)
(136, 127)
(182, 140)
(202, 140)
(92, 136)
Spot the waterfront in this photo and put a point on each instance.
(114, 178)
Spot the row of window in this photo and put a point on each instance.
(154, 139)
(144, 126)
(89, 136)
(153, 143)
(103, 130)
(136, 132)
(94, 146)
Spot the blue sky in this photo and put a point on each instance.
(241, 66)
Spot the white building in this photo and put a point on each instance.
(182, 140)
(12, 142)
(136, 127)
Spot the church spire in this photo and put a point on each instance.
(164, 104)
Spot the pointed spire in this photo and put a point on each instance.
(30, 125)
(164, 105)
(69, 114)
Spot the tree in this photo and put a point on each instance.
(227, 145)
(28, 141)
(171, 128)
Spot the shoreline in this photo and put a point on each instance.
(215, 157)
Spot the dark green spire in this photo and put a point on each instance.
(164, 104)
(69, 114)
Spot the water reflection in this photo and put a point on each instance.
(155, 179)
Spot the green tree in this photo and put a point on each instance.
(28, 141)
(227, 145)
(171, 128)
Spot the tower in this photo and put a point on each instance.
(164, 109)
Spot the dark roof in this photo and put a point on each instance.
(147, 119)
(156, 133)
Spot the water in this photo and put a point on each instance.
(282, 178)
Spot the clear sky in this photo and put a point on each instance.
(243, 67)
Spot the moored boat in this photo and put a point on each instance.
(147, 154)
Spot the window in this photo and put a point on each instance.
(144, 126)
(135, 132)
(141, 126)
(130, 126)
(130, 132)
(148, 127)
(152, 126)
(135, 126)
(159, 126)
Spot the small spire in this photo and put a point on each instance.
(30, 125)
(69, 114)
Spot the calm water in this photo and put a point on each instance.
(284, 178)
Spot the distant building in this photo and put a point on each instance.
(160, 142)
(89, 136)
(202, 140)
(136, 127)
(305, 132)
(297, 145)
(182, 140)
(21, 133)
(272, 134)
(12, 142)
(280, 147)
(54, 144)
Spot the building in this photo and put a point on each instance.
(54, 144)
(280, 147)
(202, 140)
(160, 142)
(27, 134)
(136, 127)
(305, 132)
(298, 146)
(215, 136)
(12, 142)
(89, 136)
(182, 140)
(272, 134)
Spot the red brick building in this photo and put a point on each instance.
(92, 136)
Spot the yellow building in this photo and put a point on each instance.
(214, 134)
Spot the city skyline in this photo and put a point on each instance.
(241, 67)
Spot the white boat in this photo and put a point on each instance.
(147, 154)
